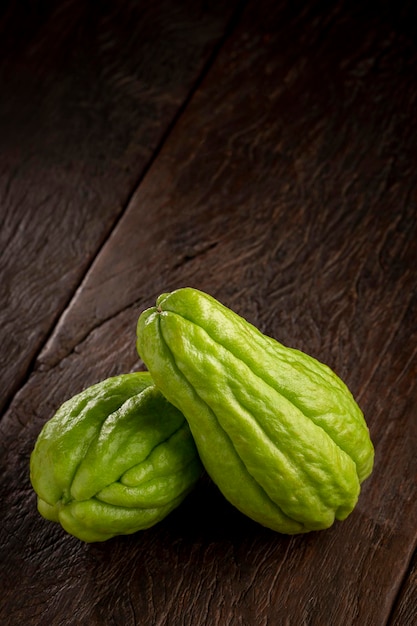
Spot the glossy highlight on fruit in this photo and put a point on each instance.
(114, 459)
(278, 432)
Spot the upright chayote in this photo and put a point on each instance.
(277, 431)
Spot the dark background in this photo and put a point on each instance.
(264, 152)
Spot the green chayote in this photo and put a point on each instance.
(277, 431)
(114, 459)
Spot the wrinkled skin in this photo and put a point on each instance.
(277, 431)
(114, 459)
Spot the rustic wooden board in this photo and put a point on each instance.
(405, 611)
(286, 189)
(88, 92)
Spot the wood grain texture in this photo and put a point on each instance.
(405, 609)
(287, 190)
(88, 93)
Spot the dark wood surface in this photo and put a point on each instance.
(264, 152)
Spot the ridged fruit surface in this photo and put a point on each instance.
(278, 432)
(114, 459)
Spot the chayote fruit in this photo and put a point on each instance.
(278, 432)
(114, 459)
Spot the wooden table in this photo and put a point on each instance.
(264, 152)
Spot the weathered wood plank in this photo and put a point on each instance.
(405, 610)
(88, 91)
(286, 190)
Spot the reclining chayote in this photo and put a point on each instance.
(114, 459)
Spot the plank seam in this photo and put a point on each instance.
(397, 599)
